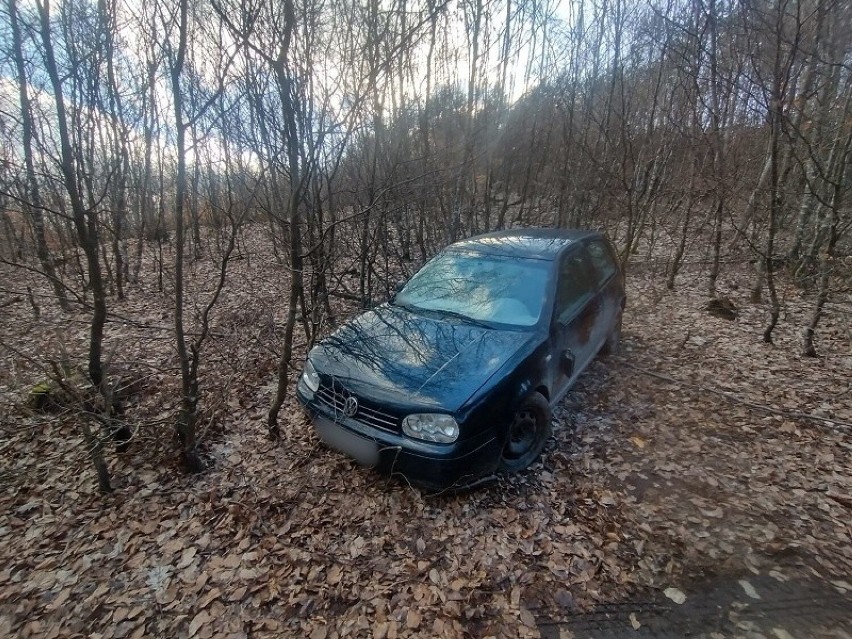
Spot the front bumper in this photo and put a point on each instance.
(432, 466)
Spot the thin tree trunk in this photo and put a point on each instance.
(808, 203)
(194, 214)
(85, 221)
(34, 205)
(776, 112)
(286, 92)
(677, 260)
(96, 452)
(119, 147)
(826, 259)
(189, 383)
(145, 200)
(718, 159)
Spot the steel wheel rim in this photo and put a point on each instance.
(522, 434)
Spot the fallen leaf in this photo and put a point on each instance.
(749, 589)
(186, 557)
(210, 596)
(527, 618)
(172, 546)
(412, 619)
(135, 612)
(199, 620)
(843, 586)
(167, 596)
(515, 596)
(634, 621)
(779, 576)
(380, 630)
(60, 599)
(237, 594)
(320, 632)
(334, 575)
(675, 595)
(200, 582)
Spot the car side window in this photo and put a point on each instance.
(603, 261)
(575, 285)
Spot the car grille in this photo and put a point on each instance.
(334, 397)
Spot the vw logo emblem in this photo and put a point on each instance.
(350, 406)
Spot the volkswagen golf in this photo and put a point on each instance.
(454, 378)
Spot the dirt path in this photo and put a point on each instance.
(762, 606)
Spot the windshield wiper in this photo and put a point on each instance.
(407, 307)
(411, 308)
(465, 318)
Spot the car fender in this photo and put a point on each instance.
(529, 374)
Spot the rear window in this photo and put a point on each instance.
(603, 261)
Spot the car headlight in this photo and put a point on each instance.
(431, 427)
(310, 377)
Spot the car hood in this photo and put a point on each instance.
(401, 357)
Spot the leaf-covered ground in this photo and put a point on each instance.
(697, 452)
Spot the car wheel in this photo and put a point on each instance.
(610, 346)
(528, 433)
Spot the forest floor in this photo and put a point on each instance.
(698, 466)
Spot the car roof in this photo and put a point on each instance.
(535, 243)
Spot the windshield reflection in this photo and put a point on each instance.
(480, 287)
(398, 345)
(406, 356)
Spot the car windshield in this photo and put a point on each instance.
(484, 288)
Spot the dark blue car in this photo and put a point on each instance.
(454, 378)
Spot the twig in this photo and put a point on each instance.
(36, 309)
(14, 300)
(684, 341)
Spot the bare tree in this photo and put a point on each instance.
(32, 202)
(86, 225)
(187, 114)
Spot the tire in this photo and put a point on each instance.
(528, 433)
(610, 346)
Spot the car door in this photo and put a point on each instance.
(574, 318)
